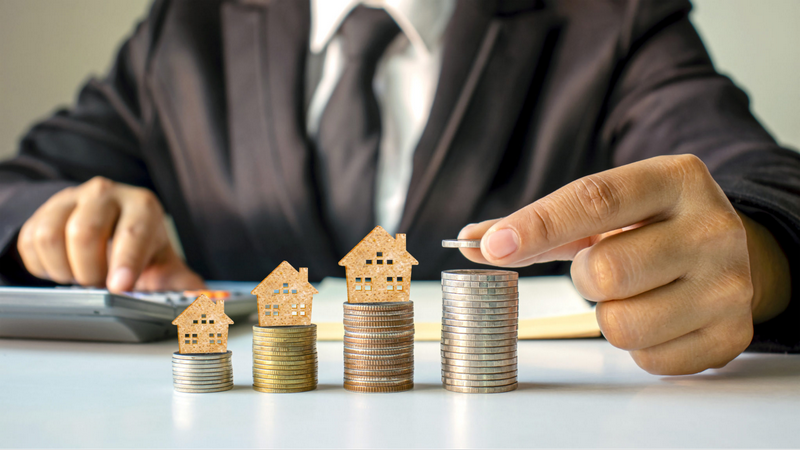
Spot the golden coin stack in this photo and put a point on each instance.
(285, 358)
(202, 372)
(379, 347)
(479, 330)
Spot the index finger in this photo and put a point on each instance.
(586, 207)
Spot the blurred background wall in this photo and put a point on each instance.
(49, 47)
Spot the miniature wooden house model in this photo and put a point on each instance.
(378, 269)
(203, 327)
(285, 297)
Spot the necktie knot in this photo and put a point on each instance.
(366, 32)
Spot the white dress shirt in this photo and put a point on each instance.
(404, 84)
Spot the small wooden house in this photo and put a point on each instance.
(285, 297)
(203, 327)
(378, 269)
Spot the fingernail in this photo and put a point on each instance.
(120, 279)
(502, 243)
(463, 233)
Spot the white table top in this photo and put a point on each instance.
(581, 393)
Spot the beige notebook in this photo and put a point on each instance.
(549, 308)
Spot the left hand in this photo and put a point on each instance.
(660, 248)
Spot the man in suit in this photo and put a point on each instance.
(598, 131)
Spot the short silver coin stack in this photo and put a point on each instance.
(202, 372)
(480, 318)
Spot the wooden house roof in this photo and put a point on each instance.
(379, 240)
(202, 305)
(285, 273)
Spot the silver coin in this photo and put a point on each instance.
(180, 362)
(202, 384)
(478, 356)
(477, 344)
(461, 243)
(480, 311)
(201, 356)
(460, 336)
(201, 369)
(480, 383)
(447, 314)
(479, 376)
(480, 324)
(481, 390)
(477, 370)
(478, 350)
(203, 391)
(480, 301)
(379, 335)
(214, 378)
(481, 291)
(480, 284)
(479, 330)
(511, 359)
(202, 375)
(479, 274)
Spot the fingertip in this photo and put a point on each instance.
(500, 244)
(467, 232)
(121, 279)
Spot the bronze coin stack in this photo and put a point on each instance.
(480, 318)
(285, 358)
(379, 346)
(202, 372)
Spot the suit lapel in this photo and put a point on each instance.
(265, 50)
(487, 72)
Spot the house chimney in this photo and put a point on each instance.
(400, 241)
(220, 305)
(304, 274)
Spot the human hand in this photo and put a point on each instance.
(661, 249)
(67, 240)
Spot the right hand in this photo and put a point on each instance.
(67, 240)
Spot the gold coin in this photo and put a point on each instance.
(284, 391)
(379, 389)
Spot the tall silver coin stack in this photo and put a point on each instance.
(202, 372)
(285, 358)
(379, 346)
(480, 316)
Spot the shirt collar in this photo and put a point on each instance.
(422, 21)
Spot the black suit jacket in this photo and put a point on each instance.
(205, 106)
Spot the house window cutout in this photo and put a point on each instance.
(210, 334)
(302, 306)
(219, 334)
(367, 288)
(302, 313)
(211, 321)
(380, 253)
(285, 291)
(389, 287)
(399, 287)
(202, 321)
(276, 291)
(202, 316)
(358, 279)
(368, 280)
(390, 261)
(194, 341)
(186, 341)
(358, 287)
(369, 261)
(194, 335)
(275, 313)
(194, 322)
(294, 306)
(380, 261)
(186, 335)
(267, 306)
(210, 341)
(400, 279)
(388, 278)
(219, 341)
(285, 284)
(276, 306)
(294, 291)
(294, 313)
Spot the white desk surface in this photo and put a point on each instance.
(581, 393)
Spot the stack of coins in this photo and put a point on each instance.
(202, 372)
(479, 330)
(379, 347)
(285, 358)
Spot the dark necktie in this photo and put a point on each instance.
(350, 129)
